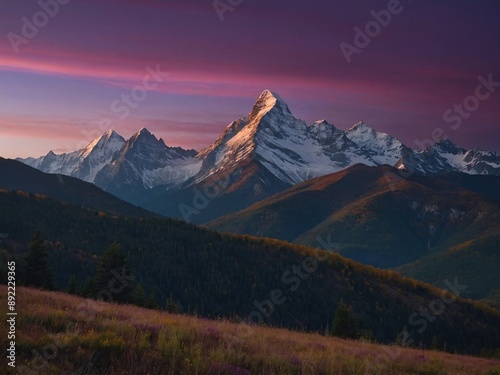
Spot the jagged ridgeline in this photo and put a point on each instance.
(263, 153)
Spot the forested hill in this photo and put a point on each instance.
(215, 275)
(15, 175)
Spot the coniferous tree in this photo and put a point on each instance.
(38, 273)
(151, 302)
(113, 279)
(344, 324)
(72, 287)
(138, 296)
(172, 306)
(88, 290)
(434, 343)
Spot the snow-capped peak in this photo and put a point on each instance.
(142, 136)
(268, 101)
(383, 148)
(111, 133)
(445, 145)
(142, 133)
(323, 125)
(277, 146)
(365, 136)
(268, 95)
(319, 122)
(360, 127)
(110, 139)
(323, 130)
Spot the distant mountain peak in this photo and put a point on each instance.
(269, 95)
(361, 133)
(267, 102)
(322, 129)
(362, 127)
(323, 124)
(143, 131)
(142, 135)
(268, 149)
(110, 133)
(109, 136)
(446, 145)
(322, 121)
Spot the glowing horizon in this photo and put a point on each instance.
(64, 81)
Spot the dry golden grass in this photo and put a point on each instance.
(72, 335)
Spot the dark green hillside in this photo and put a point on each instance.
(475, 262)
(377, 217)
(15, 175)
(483, 184)
(216, 275)
(291, 213)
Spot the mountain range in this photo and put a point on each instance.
(214, 275)
(256, 156)
(432, 215)
(426, 227)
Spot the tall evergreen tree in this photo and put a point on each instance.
(434, 343)
(88, 289)
(138, 296)
(344, 324)
(151, 302)
(172, 306)
(113, 279)
(72, 287)
(38, 273)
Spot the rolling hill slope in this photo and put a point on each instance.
(379, 218)
(92, 337)
(15, 175)
(216, 275)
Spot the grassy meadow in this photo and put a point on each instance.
(59, 333)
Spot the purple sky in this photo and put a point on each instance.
(57, 91)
